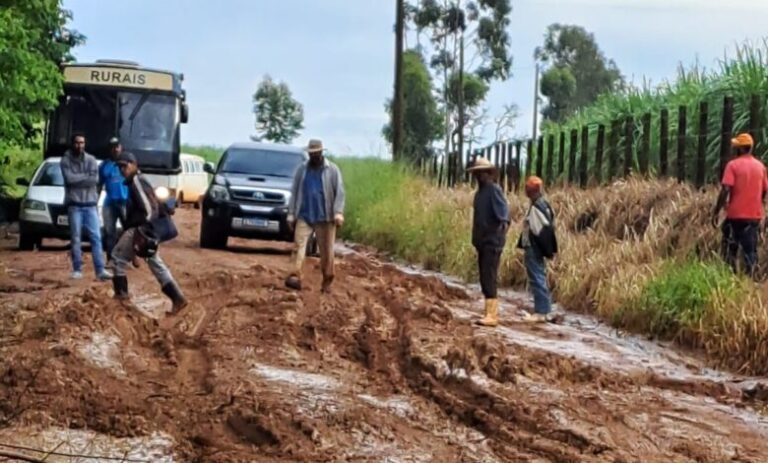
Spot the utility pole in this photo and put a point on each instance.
(397, 103)
(460, 151)
(536, 104)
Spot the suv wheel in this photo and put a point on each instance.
(211, 237)
(28, 242)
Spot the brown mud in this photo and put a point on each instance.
(389, 368)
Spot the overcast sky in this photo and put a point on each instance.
(337, 55)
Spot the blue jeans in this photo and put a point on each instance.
(85, 217)
(111, 214)
(536, 267)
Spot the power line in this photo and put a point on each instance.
(70, 455)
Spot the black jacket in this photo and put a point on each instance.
(490, 213)
(142, 207)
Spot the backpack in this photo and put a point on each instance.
(542, 231)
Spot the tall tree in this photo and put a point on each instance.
(422, 122)
(279, 117)
(576, 71)
(482, 25)
(34, 41)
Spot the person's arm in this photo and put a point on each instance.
(294, 196)
(729, 179)
(500, 208)
(339, 201)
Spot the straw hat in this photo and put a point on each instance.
(481, 164)
(314, 146)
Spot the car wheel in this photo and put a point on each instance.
(313, 249)
(28, 242)
(211, 237)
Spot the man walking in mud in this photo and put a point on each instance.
(316, 204)
(139, 238)
(538, 241)
(490, 223)
(744, 188)
(81, 196)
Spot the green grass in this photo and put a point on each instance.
(17, 163)
(740, 75)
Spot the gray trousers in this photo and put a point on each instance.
(123, 255)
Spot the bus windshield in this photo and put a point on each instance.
(147, 122)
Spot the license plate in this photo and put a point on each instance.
(63, 220)
(255, 223)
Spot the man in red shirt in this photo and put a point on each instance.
(745, 185)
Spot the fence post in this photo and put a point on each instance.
(664, 143)
(681, 129)
(755, 122)
(572, 156)
(502, 164)
(584, 160)
(510, 167)
(599, 154)
(518, 159)
(701, 155)
(540, 157)
(645, 148)
(528, 159)
(629, 142)
(550, 159)
(561, 160)
(726, 134)
(613, 157)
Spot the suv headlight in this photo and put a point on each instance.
(218, 193)
(34, 205)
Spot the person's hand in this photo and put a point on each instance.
(338, 219)
(715, 220)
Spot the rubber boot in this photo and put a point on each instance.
(293, 282)
(120, 286)
(174, 293)
(491, 313)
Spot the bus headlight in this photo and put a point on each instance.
(162, 193)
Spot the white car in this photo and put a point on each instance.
(193, 180)
(42, 213)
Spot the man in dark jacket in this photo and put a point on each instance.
(143, 212)
(489, 231)
(81, 196)
(539, 243)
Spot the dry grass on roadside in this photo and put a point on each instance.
(639, 254)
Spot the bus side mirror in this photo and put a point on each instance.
(22, 182)
(209, 168)
(184, 113)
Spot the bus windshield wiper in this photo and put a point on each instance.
(136, 109)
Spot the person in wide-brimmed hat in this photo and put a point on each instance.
(490, 223)
(744, 188)
(316, 204)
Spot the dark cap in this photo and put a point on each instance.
(126, 158)
(114, 141)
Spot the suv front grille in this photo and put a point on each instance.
(258, 196)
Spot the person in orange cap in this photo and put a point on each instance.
(490, 223)
(744, 188)
(539, 242)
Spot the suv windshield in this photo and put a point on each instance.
(50, 175)
(260, 162)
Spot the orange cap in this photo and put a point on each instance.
(534, 183)
(743, 140)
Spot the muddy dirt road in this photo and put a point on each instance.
(388, 368)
